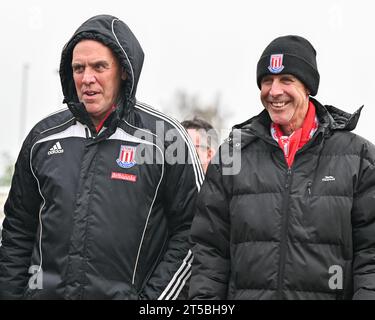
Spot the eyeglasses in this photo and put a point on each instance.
(201, 146)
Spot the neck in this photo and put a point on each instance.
(98, 123)
(287, 130)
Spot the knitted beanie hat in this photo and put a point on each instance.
(290, 55)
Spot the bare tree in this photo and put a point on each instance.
(6, 177)
(186, 106)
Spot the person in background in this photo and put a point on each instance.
(298, 219)
(98, 208)
(204, 137)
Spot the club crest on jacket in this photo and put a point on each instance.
(126, 156)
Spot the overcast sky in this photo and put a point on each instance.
(205, 47)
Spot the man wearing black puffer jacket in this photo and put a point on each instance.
(289, 211)
(104, 191)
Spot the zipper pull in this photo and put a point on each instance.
(88, 133)
(288, 174)
(309, 184)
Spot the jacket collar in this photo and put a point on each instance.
(330, 120)
(111, 123)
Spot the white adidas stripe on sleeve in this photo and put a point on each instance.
(198, 171)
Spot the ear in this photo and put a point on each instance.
(210, 154)
(124, 76)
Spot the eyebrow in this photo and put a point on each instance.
(267, 77)
(95, 63)
(287, 76)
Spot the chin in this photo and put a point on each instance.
(280, 121)
(91, 108)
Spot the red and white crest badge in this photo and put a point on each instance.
(276, 63)
(126, 157)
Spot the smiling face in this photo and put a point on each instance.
(97, 76)
(286, 99)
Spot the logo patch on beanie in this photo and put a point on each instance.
(276, 63)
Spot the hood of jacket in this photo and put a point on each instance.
(330, 119)
(116, 35)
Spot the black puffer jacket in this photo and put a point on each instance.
(101, 216)
(263, 231)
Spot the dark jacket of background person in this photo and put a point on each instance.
(273, 233)
(94, 229)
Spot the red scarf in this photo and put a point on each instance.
(291, 144)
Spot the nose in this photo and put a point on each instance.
(88, 76)
(276, 88)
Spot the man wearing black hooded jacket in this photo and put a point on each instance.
(289, 211)
(103, 192)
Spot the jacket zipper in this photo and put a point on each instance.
(284, 234)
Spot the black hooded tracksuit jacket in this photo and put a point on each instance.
(107, 215)
(266, 231)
